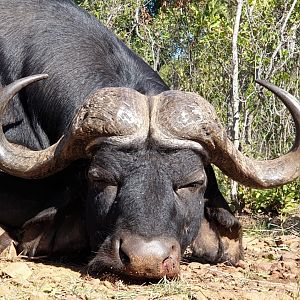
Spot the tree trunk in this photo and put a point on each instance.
(235, 97)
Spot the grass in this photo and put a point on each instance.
(197, 282)
(164, 288)
(263, 226)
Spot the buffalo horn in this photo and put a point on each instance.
(186, 119)
(119, 116)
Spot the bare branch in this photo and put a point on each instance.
(235, 75)
(114, 13)
(281, 41)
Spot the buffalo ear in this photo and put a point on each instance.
(219, 238)
(231, 239)
(53, 232)
(71, 234)
(47, 215)
(222, 217)
(36, 235)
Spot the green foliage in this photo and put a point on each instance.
(284, 199)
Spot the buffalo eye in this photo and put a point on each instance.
(184, 190)
(103, 186)
(194, 185)
(101, 178)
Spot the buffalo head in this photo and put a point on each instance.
(145, 179)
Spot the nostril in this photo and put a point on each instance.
(174, 250)
(123, 256)
(170, 266)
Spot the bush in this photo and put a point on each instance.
(278, 200)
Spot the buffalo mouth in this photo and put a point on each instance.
(136, 257)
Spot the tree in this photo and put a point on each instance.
(235, 95)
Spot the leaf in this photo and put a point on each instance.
(18, 270)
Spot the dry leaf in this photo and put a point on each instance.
(17, 270)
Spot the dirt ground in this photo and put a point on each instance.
(271, 271)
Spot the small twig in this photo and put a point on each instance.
(281, 41)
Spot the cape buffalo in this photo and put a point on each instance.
(102, 157)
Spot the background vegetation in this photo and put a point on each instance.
(191, 43)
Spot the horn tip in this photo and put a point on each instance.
(41, 76)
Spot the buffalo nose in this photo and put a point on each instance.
(150, 258)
